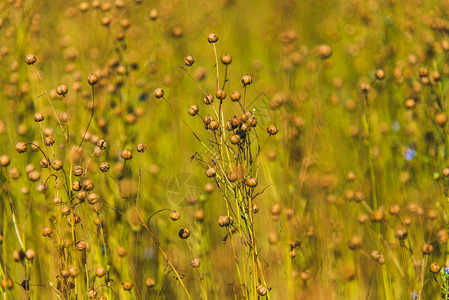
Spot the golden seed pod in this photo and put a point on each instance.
(235, 139)
(121, 251)
(92, 294)
(272, 130)
(93, 199)
(443, 236)
(74, 271)
(189, 60)
(212, 38)
(92, 79)
(57, 200)
(100, 272)
(193, 110)
(49, 141)
(34, 175)
(220, 94)
(46, 231)
(184, 233)
(57, 164)
(208, 99)
(375, 255)
(102, 144)
(78, 170)
(410, 103)
(175, 215)
(427, 249)
(62, 89)
(127, 285)
(158, 93)
(324, 51)
(81, 246)
(153, 14)
(224, 221)
(226, 59)
(441, 119)
(88, 185)
(30, 254)
(30, 59)
(211, 172)
(141, 147)
(380, 74)
(5, 160)
(125, 23)
(83, 7)
(247, 80)
(378, 215)
(235, 96)
(434, 267)
(21, 147)
(255, 208)
(355, 242)
(65, 210)
(76, 185)
(105, 21)
(251, 182)
(126, 154)
(423, 72)
(262, 290)
(199, 215)
(365, 87)
(213, 125)
(196, 263)
(38, 117)
(394, 210)
(45, 163)
(150, 282)
(104, 167)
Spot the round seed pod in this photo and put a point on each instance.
(255, 208)
(175, 215)
(21, 147)
(233, 176)
(121, 252)
(324, 51)
(378, 215)
(441, 119)
(423, 72)
(34, 176)
(141, 147)
(65, 273)
(443, 236)
(355, 242)
(93, 199)
(189, 60)
(272, 130)
(65, 210)
(401, 233)
(30, 59)
(262, 290)
(212, 38)
(92, 294)
(246, 80)
(76, 185)
(226, 59)
(62, 89)
(158, 93)
(150, 282)
(38, 117)
(184, 233)
(57, 200)
(193, 110)
(44, 163)
(375, 255)
(57, 164)
(213, 125)
(380, 74)
(78, 171)
(46, 231)
(5, 160)
(102, 144)
(427, 249)
(100, 272)
(104, 167)
(30, 254)
(196, 263)
(81, 246)
(211, 172)
(394, 210)
(208, 99)
(235, 139)
(126, 154)
(199, 215)
(74, 271)
(83, 7)
(251, 181)
(92, 79)
(18, 255)
(125, 23)
(224, 221)
(434, 268)
(220, 94)
(81, 196)
(105, 21)
(127, 285)
(275, 209)
(235, 96)
(153, 14)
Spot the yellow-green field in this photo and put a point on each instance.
(224, 149)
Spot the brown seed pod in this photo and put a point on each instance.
(61, 89)
(158, 93)
(441, 119)
(21, 147)
(66, 210)
(434, 268)
(226, 59)
(38, 117)
(380, 74)
(427, 249)
(251, 181)
(46, 231)
(199, 215)
(30, 254)
(104, 167)
(246, 80)
(208, 99)
(92, 293)
(126, 154)
(78, 171)
(262, 290)
(355, 242)
(105, 21)
(74, 271)
(193, 110)
(211, 172)
(127, 285)
(184, 233)
(394, 210)
(175, 215)
(49, 141)
(34, 175)
(153, 14)
(220, 94)
(189, 60)
(196, 263)
(324, 51)
(81, 196)
(100, 272)
(76, 185)
(272, 130)
(88, 185)
(150, 282)
(30, 59)
(92, 79)
(275, 209)
(401, 233)
(5, 160)
(224, 221)
(212, 38)
(375, 255)
(443, 236)
(255, 208)
(235, 96)
(81, 246)
(121, 251)
(57, 164)
(141, 147)
(44, 163)
(235, 139)
(93, 199)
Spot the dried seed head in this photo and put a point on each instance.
(78, 170)
(226, 59)
(76, 185)
(92, 79)
(224, 221)
(235, 139)
(324, 51)
(49, 141)
(104, 167)
(127, 285)
(443, 236)
(272, 130)
(255, 208)
(150, 282)
(410, 103)
(262, 290)
(57, 200)
(401, 233)
(81, 196)
(211, 172)
(46, 231)
(251, 181)
(246, 80)
(153, 14)
(30, 59)
(189, 60)
(275, 209)
(380, 74)
(235, 96)
(44, 163)
(434, 268)
(88, 185)
(378, 215)
(375, 255)
(126, 154)
(213, 125)
(92, 294)
(427, 249)
(196, 263)
(83, 7)
(102, 144)
(141, 147)
(212, 38)
(18, 255)
(220, 94)
(81, 246)
(199, 215)
(105, 21)
(74, 271)
(355, 242)
(394, 210)
(57, 164)
(62, 89)
(441, 119)
(209, 99)
(93, 199)
(21, 147)
(184, 233)
(193, 110)
(30, 254)
(175, 215)
(5, 160)
(100, 272)
(38, 117)
(423, 72)
(121, 251)
(158, 93)
(34, 175)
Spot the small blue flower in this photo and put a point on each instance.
(446, 270)
(410, 154)
(414, 295)
(395, 126)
